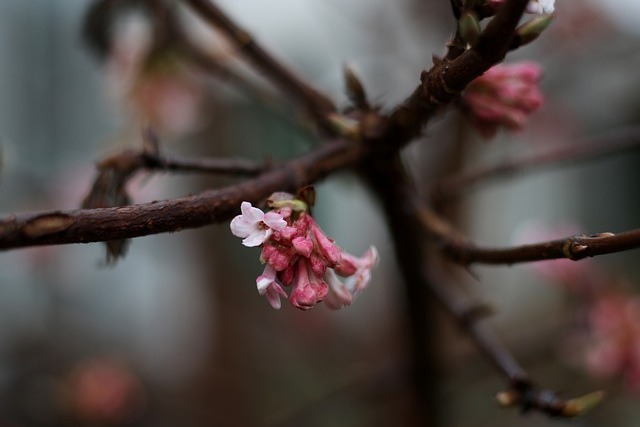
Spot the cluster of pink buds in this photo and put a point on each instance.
(504, 96)
(297, 253)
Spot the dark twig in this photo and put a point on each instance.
(460, 249)
(615, 142)
(522, 392)
(318, 105)
(94, 225)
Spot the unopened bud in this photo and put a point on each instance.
(355, 90)
(530, 30)
(507, 399)
(469, 28)
(582, 405)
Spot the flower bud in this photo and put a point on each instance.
(469, 28)
(530, 30)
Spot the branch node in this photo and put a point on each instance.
(574, 248)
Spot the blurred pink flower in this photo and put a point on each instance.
(268, 287)
(105, 392)
(614, 348)
(504, 96)
(155, 85)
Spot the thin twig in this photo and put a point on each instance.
(522, 392)
(615, 142)
(460, 249)
(318, 105)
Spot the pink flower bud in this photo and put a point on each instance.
(329, 251)
(303, 246)
(504, 96)
(309, 289)
(277, 257)
(286, 276)
(318, 265)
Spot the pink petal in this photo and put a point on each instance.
(274, 220)
(273, 294)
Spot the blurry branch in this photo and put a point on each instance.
(522, 392)
(317, 104)
(103, 224)
(448, 77)
(460, 249)
(389, 182)
(615, 142)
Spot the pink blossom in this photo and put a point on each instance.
(297, 252)
(325, 245)
(615, 337)
(155, 85)
(308, 288)
(339, 295)
(504, 96)
(254, 225)
(268, 287)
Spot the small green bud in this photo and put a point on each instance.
(582, 405)
(529, 31)
(281, 199)
(469, 28)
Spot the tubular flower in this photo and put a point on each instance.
(504, 96)
(268, 287)
(297, 252)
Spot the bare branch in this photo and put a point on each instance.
(447, 78)
(95, 225)
(522, 392)
(460, 249)
(615, 142)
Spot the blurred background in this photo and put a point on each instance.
(176, 334)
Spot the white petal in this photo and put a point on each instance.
(241, 228)
(250, 213)
(256, 238)
(267, 278)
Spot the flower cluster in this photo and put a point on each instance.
(504, 96)
(297, 253)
